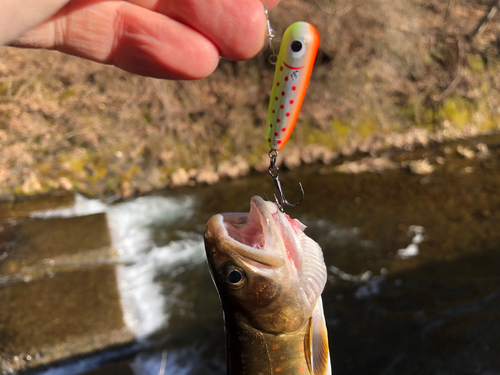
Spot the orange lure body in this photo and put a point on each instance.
(293, 70)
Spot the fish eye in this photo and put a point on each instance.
(296, 49)
(234, 277)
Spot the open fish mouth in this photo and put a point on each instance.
(252, 236)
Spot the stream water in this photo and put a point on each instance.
(413, 261)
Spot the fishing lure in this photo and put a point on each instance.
(298, 51)
(293, 70)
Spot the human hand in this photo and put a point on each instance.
(172, 39)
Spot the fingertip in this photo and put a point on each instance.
(271, 4)
(205, 61)
(164, 48)
(162, 66)
(249, 32)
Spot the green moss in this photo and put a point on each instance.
(427, 57)
(457, 111)
(18, 191)
(320, 137)
(254, 157)
(366, 127)
(3, 88)
(339, 128)
(112, 184)
(45, 169)
(79, 163)
(476, 64)
(484, 118)
(131, 173)
(98, 172)
(16, 86)
(70, 92)
(305, 133)
(146, 114)
(419, 114)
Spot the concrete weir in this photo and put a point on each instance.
(59, 296)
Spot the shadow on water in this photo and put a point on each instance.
(413, 261)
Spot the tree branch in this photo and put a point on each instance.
(486, 18)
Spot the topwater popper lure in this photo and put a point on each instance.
(294, 65)
(293, 70)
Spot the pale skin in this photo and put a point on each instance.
(170, 39)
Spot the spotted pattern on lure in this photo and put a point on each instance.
(293, 70)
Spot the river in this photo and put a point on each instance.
(413, 261)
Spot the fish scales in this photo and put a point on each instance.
(269, 276)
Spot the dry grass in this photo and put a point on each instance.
(383, 66)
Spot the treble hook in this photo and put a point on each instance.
(274, 172)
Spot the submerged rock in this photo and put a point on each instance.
(420, 166)
(482, 149)
(466, 152)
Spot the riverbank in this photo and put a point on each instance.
(387, 75)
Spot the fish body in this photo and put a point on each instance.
(298, 51)
(269, 276)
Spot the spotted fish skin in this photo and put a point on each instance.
(269, 276)
(252, 352)
(293, 70)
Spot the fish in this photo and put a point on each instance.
(269, 276)
(298, 51)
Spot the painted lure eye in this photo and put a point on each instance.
(296, 46)
(296, 49)
(234, 277)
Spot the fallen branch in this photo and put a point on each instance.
(487, 17)
(458, 75)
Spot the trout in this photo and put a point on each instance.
(269, 276)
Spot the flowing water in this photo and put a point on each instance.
(413, 261)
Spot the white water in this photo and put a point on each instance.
(131, 224)
(412, 249)
(368, 284)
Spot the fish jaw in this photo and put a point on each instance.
(265, 246)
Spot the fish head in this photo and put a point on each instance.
(267, 272)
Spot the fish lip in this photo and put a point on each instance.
(243, 252)
(263, 210)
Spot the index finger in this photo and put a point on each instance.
(237, 28)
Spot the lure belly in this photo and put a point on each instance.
(293, 70)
